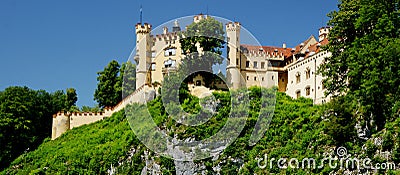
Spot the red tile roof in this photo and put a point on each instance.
(270, 50)
(287, 52)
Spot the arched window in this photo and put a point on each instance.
(308, 91)
(298, 94)
(308, 73)
(298, 77)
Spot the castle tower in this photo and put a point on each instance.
(61, 124)
(176, 27)
(143, 52)
(233, 67)
(323, 33)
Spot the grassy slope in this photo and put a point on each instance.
(89, 149)
(296, 131)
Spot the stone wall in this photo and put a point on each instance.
(64, 121)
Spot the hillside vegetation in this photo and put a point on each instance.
(298, 129)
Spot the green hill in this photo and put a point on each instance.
(298, 130)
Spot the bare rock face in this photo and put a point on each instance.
(150, 95)
(151, 166)
(189, 168)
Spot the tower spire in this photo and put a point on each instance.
(141, 15)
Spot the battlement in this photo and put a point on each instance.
(145, 28)
(64, 121)
(267, 55)
(199, 17)
(233, 26)
(323, 33)
(81, 114)
(167, 36)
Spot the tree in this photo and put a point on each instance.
(128, 78)
(25, 119)
(209, 33)
(71, 99)
(340, 124)
(202, 43)
(365, 64)
(90, 109)
(108, 92)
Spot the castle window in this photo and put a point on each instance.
(262, 79)
(169, 63)
(308, 73)
(298, 77)
(247, 64)
(153, 54)
(308, 91)
(170, 52)
(153, 66)
(247, 77)
(262, 65)
(255, 64)
(255, 78)
(237, 62)
(298, 94)
(272, 77)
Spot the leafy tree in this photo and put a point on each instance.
(365, 64)
(71, 98)
(90, 109)
(108, 92)
(208, 33)
(115, 81)
(202, 43)
(128, 78)
(341, 121)
(25, 119)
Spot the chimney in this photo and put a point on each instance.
(284, 45)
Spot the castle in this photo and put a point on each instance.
(292, 70)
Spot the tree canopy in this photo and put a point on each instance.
(108, 92)
(365, 61)
(202, 43)
(112, 80)
(26, 119)
(128, 78)
(71, 98)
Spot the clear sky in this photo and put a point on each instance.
(57, 44)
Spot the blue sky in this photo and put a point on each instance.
(57, 44)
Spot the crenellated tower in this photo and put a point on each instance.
(143, 54)
(323, 33)
(233, 64)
